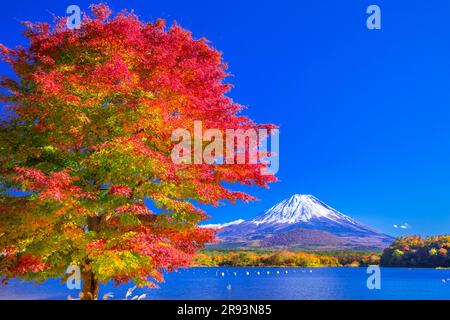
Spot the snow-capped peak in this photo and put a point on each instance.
(301, 208)
(299, 221)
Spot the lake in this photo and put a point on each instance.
(264, 283)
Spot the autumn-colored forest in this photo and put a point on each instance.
(286, 258)
(413, 251)
(410, 251)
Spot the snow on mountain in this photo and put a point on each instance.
(297, 221)
(300, 208)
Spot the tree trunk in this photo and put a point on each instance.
(90, 286)
(94, 223)
(90, 283)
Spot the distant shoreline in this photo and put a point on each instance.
(286, 258)
(404, 252)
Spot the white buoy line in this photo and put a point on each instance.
(258, 272)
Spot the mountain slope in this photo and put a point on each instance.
(301, 221)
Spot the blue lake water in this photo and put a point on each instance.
(264, 283)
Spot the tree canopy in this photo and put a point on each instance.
(414, 251)
(88, 142)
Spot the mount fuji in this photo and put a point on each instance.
(301, 221)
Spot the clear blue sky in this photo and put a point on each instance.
(364, 115)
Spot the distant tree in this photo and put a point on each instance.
(414, 251)
(89, 140)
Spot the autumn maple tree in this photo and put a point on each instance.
(87, 144)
